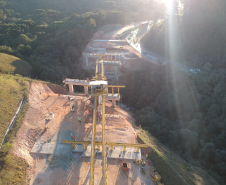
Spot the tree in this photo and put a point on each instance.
(37, 68)
(22, 39)
(71, 54)
(6, 49)
(208, 152)
(91, 24)
(25, 49)
(29, 23)
(190, 138)
(7, 147)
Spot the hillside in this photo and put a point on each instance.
(12, 91)
(185, 112)
(13, 65)
(172, 168)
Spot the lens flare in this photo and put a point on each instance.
(168, 4)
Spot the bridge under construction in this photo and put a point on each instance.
(99, 90)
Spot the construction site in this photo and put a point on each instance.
(83, 138)
(122, 44)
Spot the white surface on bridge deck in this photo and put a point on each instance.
(116, 153)
(49, 148)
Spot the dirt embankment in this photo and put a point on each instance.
(34, 121)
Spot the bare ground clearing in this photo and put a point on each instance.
(65, 167)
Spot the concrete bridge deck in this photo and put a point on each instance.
(116, 153)
(76, 81)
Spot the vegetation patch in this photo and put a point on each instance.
(12, 169)
(13, 65)
(171, 167)
(10, 97)
(12, 134)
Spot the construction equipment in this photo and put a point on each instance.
(142, 170)
(99, 91)
(124, 167)
(73, 108)
(143, 162)
(70, 98)
(152, 168)
(140, 161)
(111, 144)
(137, 161)
(156, 177)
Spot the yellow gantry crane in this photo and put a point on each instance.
(99, 89)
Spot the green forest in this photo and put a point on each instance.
(186, 111)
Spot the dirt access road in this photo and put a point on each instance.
(64, 167)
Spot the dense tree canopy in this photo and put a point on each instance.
(186, 112)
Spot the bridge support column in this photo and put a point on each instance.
(113, 103)
(87, 61)
(86, 90)
(116, 70)
(71, 89)
(116, 73)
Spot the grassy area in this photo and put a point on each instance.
(171, 167)
(12, 65)
(13, 168)
(10, 97)
(12, 134)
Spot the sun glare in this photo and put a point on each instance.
(168, 4)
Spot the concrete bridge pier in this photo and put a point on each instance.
(71, 88)
(87, 61)
(71, 82)
(116, 70)
(86, 90)
(113, 103)
(116, 73)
